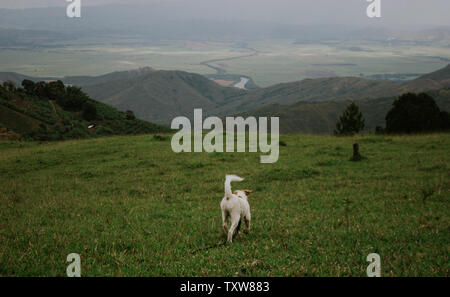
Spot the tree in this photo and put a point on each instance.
(130, 115)
(28, 86)
(73, 100)
(55, 90)
(350, 122)
(444, 118)
(413, 113)
(40, 90)
(9, 86)
(379, 130)
(89, 111)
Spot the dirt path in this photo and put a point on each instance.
(58, 118)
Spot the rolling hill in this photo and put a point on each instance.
(310, 105)
(312, 114)
(159, 96)
(17, 78)
(338, 89)
(156, 95)
(78, 80)
(321, 117)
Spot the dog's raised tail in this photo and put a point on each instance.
(228, 180)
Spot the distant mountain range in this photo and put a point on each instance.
(201, 20)
(307, 106)
(78, 80)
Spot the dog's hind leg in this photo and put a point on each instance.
(238, 228)
(224, 221)
(247, 223)
(235, 219)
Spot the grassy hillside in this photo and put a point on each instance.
(118, 75)
(160, 96)
(442, 75)
(338, 89)
(164, 95)
(131, 207)
(43, 116)
(321, 117)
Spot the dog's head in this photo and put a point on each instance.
(243, 194)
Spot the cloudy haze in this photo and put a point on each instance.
(404, 13)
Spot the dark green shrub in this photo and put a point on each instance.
(415, 113)
(89, 111)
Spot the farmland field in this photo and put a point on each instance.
(131, 207)
(266, 62)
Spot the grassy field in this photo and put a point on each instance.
(131, 207)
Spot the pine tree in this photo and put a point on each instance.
(350, 122)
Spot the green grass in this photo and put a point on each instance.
(131, 207)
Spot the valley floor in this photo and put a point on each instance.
(267, 62)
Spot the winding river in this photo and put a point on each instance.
(242, 83)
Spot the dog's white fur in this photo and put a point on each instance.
(235, 205)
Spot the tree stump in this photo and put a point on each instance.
(356, 155)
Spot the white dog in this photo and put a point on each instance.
(235, 205)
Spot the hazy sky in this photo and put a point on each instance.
(405, 13)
